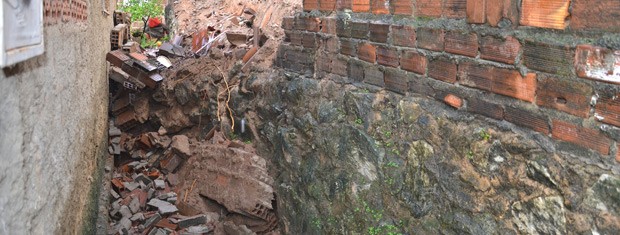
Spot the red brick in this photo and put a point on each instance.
(310, 5)
(356, 70)
(596, 14)
(342, 5)
(429, 8)
(498, 80)
(343, 29)
(396, 81)
(462, 43)
(330, 44)
(476, 11)
(329, 25)
(442, 69)
(288, 23)
(545, 13)
(585, 137)
(309, 40)
(421, 86)
(339, 66)
(402, 7)
(485, 108)
(403, 35)
(359, 30)
(348, 47)
(548, 58)
(413, 61)
(608, 110)
(117, 58)
(379, 32)
(387, 56)
(380, 7)
(360, 5)
(496, 10)
(618, 153)
(527, 119)
(430, 39)
(311, 24)
(455, 9)
(597, 63)
(453, 100)
(500, 50)
(567, 96)
(294, 37)
(328, 5)
(367, 52)
(373, 76)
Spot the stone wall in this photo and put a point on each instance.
(53, 125)
(452, 117)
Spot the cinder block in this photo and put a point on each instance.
(567, 96)
(462, 43)
(536, 122)
(585, 137)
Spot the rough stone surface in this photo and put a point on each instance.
(53, 129)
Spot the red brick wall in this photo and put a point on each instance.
(548, 66)
(56, 11)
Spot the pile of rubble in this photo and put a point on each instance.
(171, 176)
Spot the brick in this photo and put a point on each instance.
(527, 119)
(485, 108)
(462, 43)
(618, 153)
(294, 37)
(501, 50)
(387, 56)
(453, 100)
(339, 66)
(310, 5)
(403, 35)
(585, 137)
(429, 8)
(373, 76)
(342, 5)
(329, 25)
(380, 7)
(402, 7)
(288, 23)
(567, 96)
(443, 70)
(430, 39)
(311, 24)
(597, 63)
(117, 58)
(548, 58)
(309, 40)
(476, 11)
(328, 5)
(356, 70)
(421, 86)
(360, 5)
(367, 52)
(413, 61)
(455, 9)
(330, 44)
(607, 110)
(507, 9)
(379, 32)
(498, 80)
(343, 29)
(348, 47)
(545, 13)
(359, 30)
(596, 14)
(396, 81)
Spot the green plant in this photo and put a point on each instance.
(248, 142)
(387, 134)
(148, 43)
(485, 135)
(470, 155)
(392, 164)
(359, 121)
(142, 9)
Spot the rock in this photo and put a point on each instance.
(604, 195)
(173, 179)
(160, 184)
(134, 205)
(114, 194)
(181, 93)
(192, 221)
(163, 207)
(114, 131)
(150, 193)
(162, 131)
(171, 163)
(152, 220)
(196, 230)
(144, 179)
(172, 200)
(125, 223)
(125, 212)
(167, 195)
(173, 119)
(232, 229)
(131, 185)
(180, 144)
(542, 215)
(137, 217)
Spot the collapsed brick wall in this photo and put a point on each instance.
(63, 11)
(549, 66)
